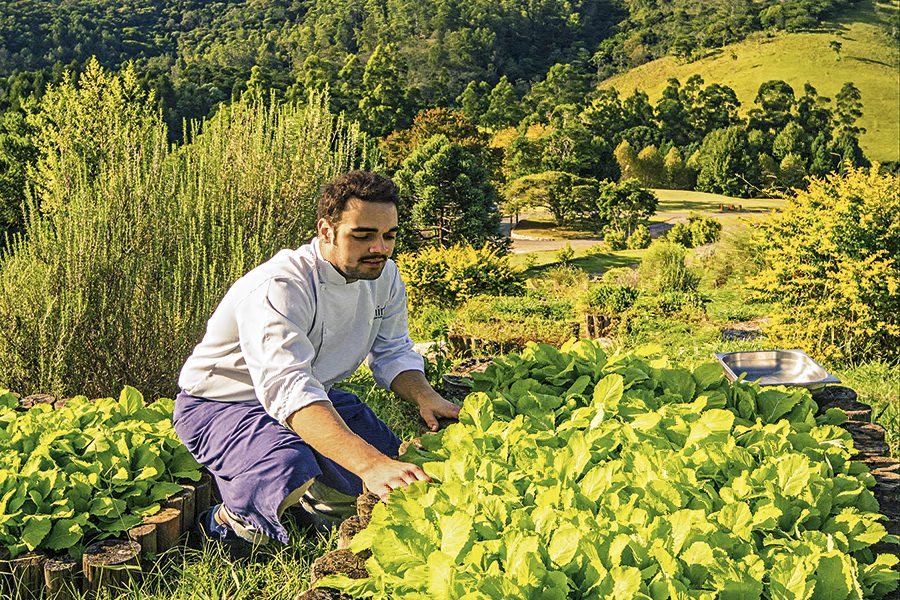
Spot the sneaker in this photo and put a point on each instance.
(220, 532)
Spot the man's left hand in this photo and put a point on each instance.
(436, 407)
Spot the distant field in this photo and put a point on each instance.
(868, 58)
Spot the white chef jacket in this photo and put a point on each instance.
(292, 327)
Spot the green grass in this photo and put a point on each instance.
(587, 260)
(869, 58)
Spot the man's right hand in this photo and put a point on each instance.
(388, 474)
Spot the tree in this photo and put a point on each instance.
(621, 206)
(791, 140)
(430, 122)
(650, 169)
(848, 110)
(450, 194)
(715, 107)
(726, 163)
(775, 99)
(503, 108)
(473, 100)
(552, 190)
(792, 171)
(627, 159)
(385, 103)
(678, 176)
(673, 115)
(564, 84)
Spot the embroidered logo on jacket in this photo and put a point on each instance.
(379, 312)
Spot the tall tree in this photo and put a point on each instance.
(450, 193)
(385, 103)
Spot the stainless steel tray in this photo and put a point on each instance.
(775, 367)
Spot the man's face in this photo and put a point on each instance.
(360, 244)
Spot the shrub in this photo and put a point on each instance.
(831, 263)
(609, 299)
(664, 270)
(704, 230)
(670, 302)
(615, 239)
(680, 234)
(565, 254)
(129, 245)
(448, 277)
(510, 322)
(735, 255)
(639, 238)
(622, 276)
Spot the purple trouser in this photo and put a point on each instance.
(257, 461)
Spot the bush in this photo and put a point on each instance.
(565, 255)
(639, 238)
(622, 276)
(449, 277)
(609, 299)
(704, 230)
(735, 255)
(669, 303)
(664, 270)
(615, 239)
(129, 245)
(831, 263)
(508, 323)
(680, 234)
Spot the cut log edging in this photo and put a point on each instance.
(59, 577)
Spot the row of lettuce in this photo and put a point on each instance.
(85, 472)
(576, 475)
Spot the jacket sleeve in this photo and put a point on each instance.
(392, 352)
(273, 322)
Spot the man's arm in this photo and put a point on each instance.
(320, 426)
(413, 387)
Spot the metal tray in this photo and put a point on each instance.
(776, 367)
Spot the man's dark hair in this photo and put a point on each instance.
(365, 185)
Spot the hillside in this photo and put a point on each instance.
(868, 58)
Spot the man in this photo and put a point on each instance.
(257, 407)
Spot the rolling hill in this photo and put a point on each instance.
(868, 57)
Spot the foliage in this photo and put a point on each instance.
(565, 254)
(615, 239)
(450, 194)
(556, 191)
(447, 277)
(129, 239)
(575, 474)
(609, 299)
(508, 323)
(704, 230)
(639, 238)
(680, 234)
(86, 471)
(620, 206)
(830, 262)
(663, 269)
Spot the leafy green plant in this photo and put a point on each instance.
(447, 277)
(513, 321)
(680, 234)
(573, 474)
(704, 230)
(565, 255)
(609, 299)
(664, 270)
(614, 238)
(639, 238)
(87, 471)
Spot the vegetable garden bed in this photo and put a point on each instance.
(90, 491)
(576, 475)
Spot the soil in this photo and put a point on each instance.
(364, 505)
(339, 562)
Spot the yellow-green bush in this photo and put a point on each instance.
(831, 263)
(449, 276)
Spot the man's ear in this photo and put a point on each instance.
(325, 230)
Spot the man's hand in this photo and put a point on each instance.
(384, 476)
(412, 386)
(435, 407)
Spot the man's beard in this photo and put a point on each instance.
(368, 273)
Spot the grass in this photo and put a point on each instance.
(588, 260)
(868, 58)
